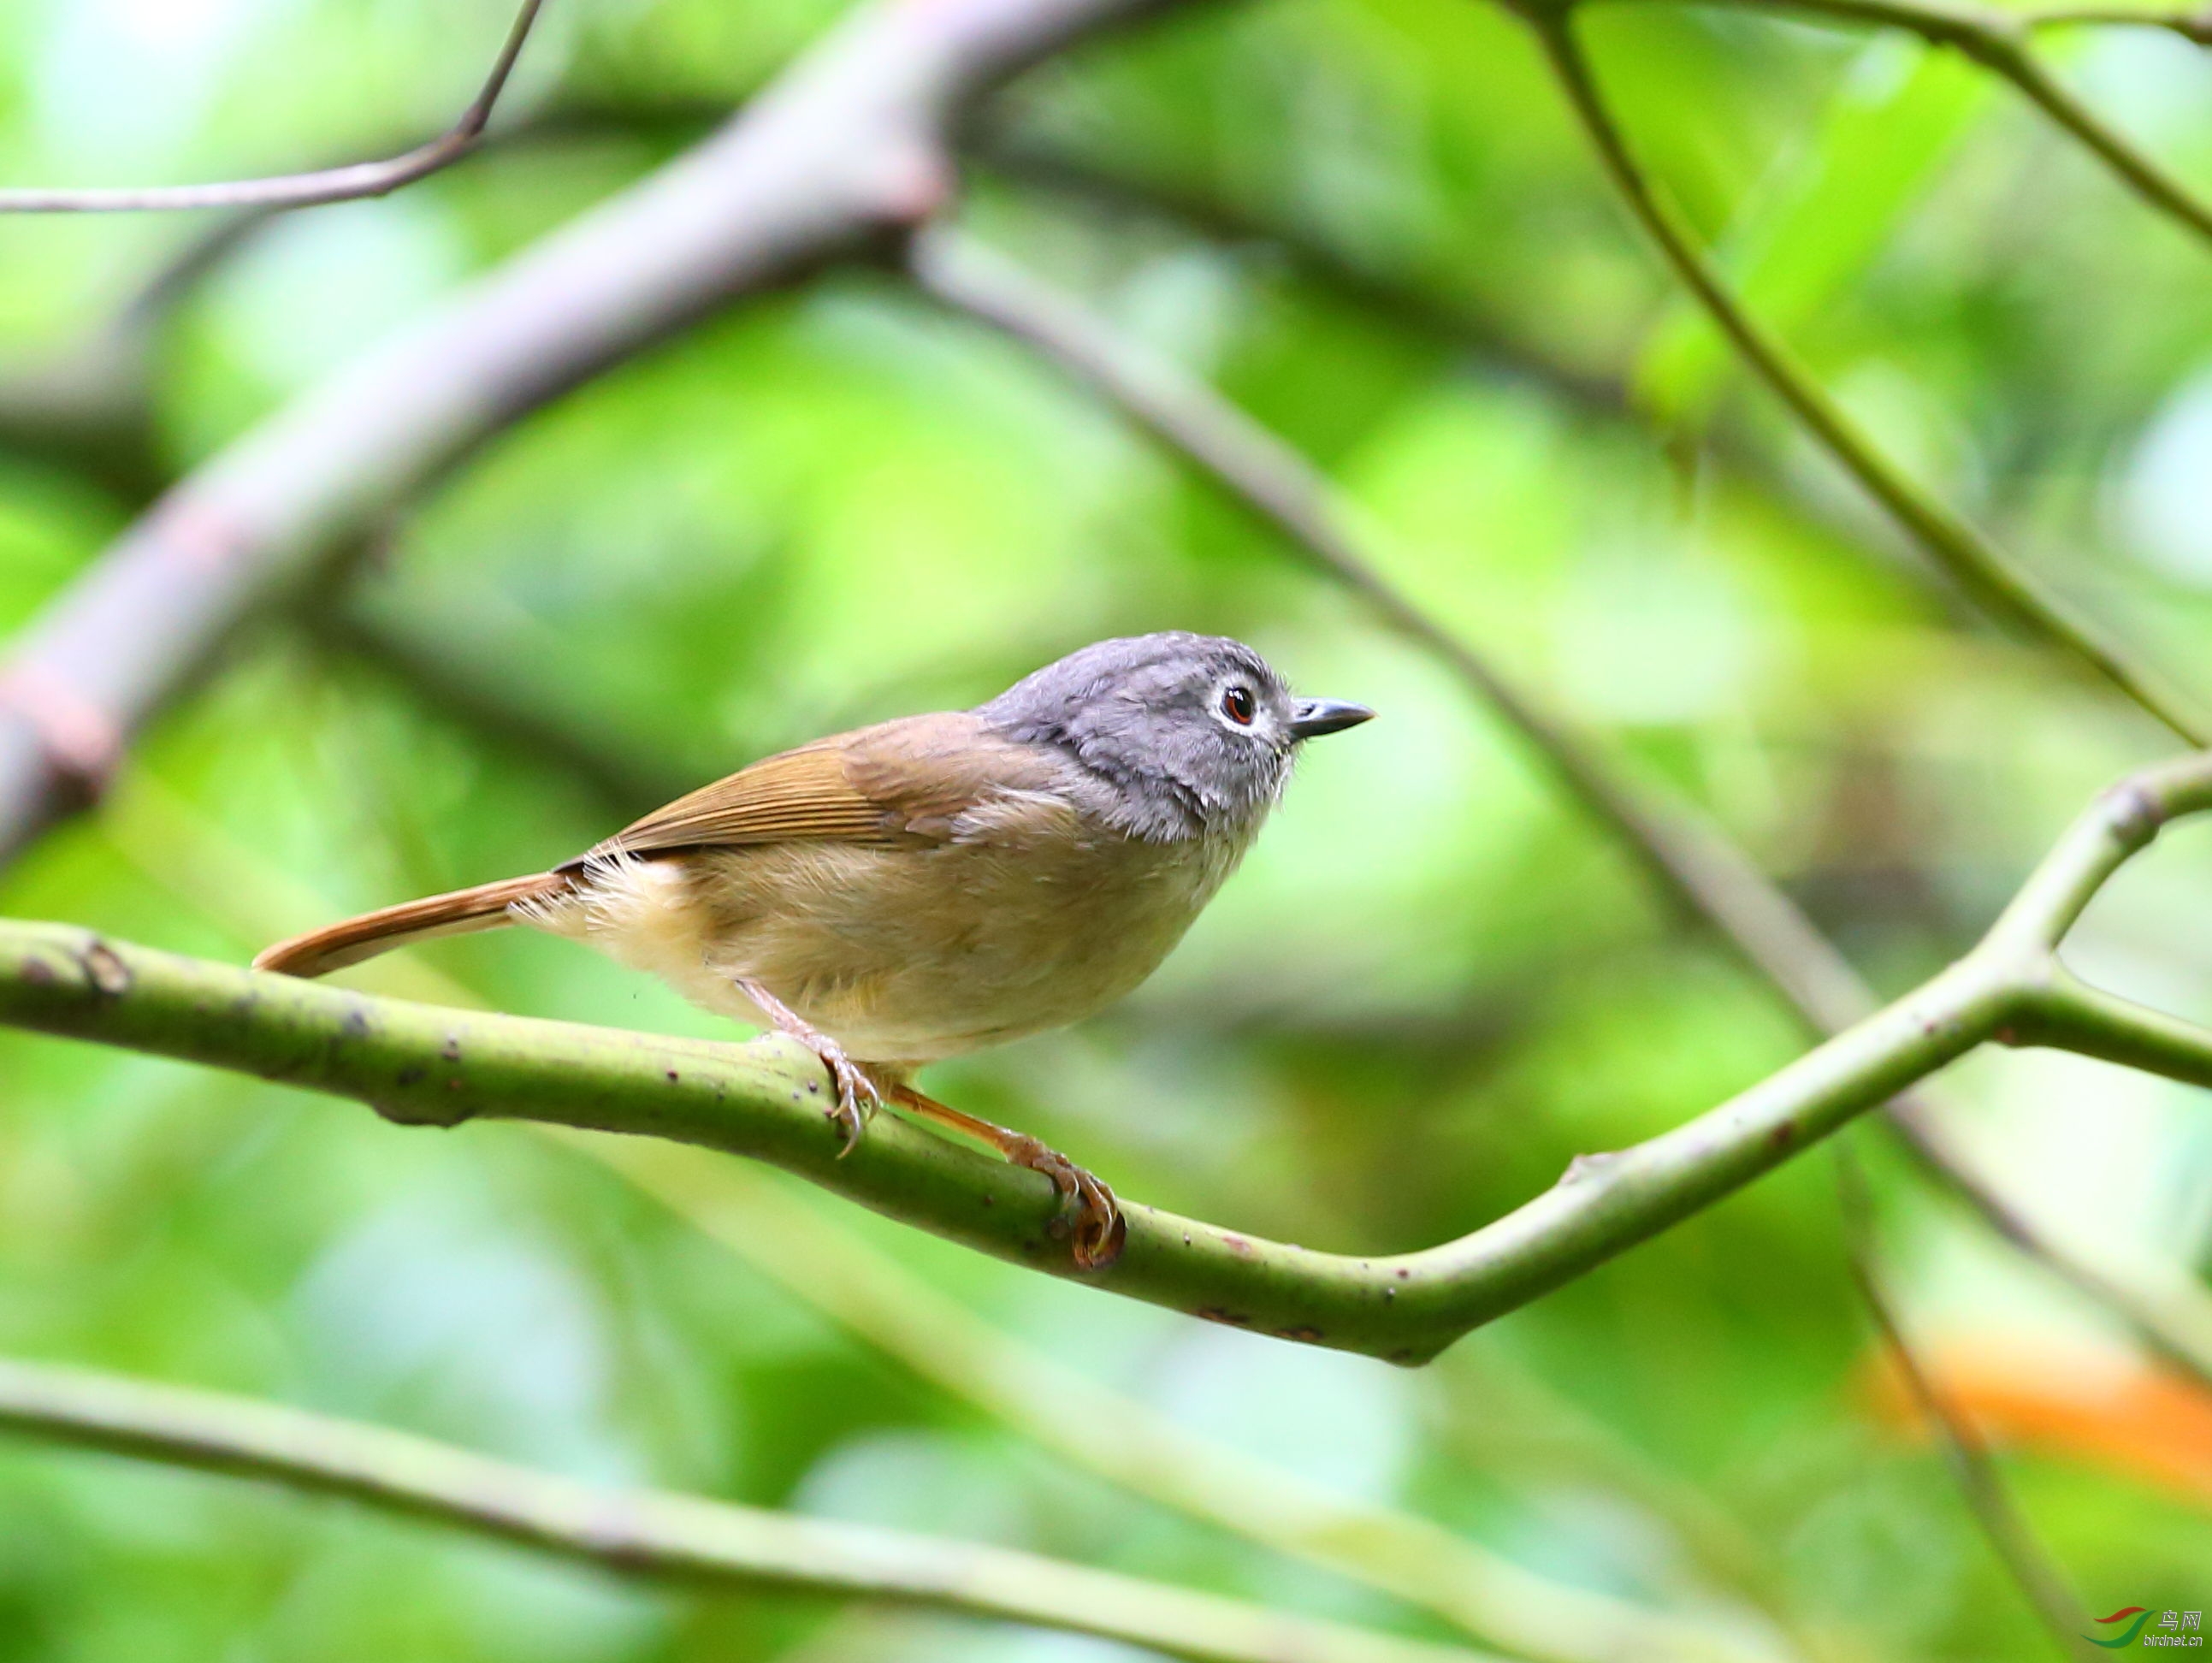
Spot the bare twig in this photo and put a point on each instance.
(658, 1534)
(1980, 1484)
(361, 179)
(1691, 861)
(850, 144)
(1953, 542)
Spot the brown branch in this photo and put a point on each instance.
(848, 144)
(361, 179)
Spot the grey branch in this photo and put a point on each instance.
(658, 1534)
(361, 179)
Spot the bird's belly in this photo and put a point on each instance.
(905, 956)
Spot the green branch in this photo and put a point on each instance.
(421, 1064)
(659, 1534)
(424, 1064)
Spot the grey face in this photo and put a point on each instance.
(1192, 733)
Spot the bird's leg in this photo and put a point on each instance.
(1098, 1229)
(858, 1096)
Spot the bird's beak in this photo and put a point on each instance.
(1315, 716)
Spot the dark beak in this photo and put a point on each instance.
(1315, 716)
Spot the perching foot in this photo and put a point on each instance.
(1090, 1215)
(858, 1096)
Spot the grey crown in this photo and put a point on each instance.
(1144, 716)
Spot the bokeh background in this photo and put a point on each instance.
(1433, 983)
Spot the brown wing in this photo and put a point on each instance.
(899, 782)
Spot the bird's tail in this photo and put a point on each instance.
(463, 912)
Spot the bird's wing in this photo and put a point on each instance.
(903, 781)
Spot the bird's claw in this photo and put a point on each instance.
(858, 1096)
(1090, 1215)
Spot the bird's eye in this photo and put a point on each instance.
(1237, 704)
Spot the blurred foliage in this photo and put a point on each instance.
(1432, 984)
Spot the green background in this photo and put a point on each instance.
(1433, 983)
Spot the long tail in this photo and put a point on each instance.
(463, 912)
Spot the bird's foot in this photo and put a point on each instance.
(1095, 1225)
(1089, 1217)
(858, 1096)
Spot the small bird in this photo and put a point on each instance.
(934, 885)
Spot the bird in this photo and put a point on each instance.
(932, 884)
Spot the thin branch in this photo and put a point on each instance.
(1997, 40)
(87, 402)
(361, 179)
(1691, 861)
(1980, 1484)
(848, 146)
(659, 1534)
(423, 1065)
(420, 1064)
(2074, 1016)
(2195, 24)
(1953, 542)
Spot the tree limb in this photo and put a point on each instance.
(421, 1064)
(659, 1534)
(361, 179)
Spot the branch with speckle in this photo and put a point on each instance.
(421, 1064)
